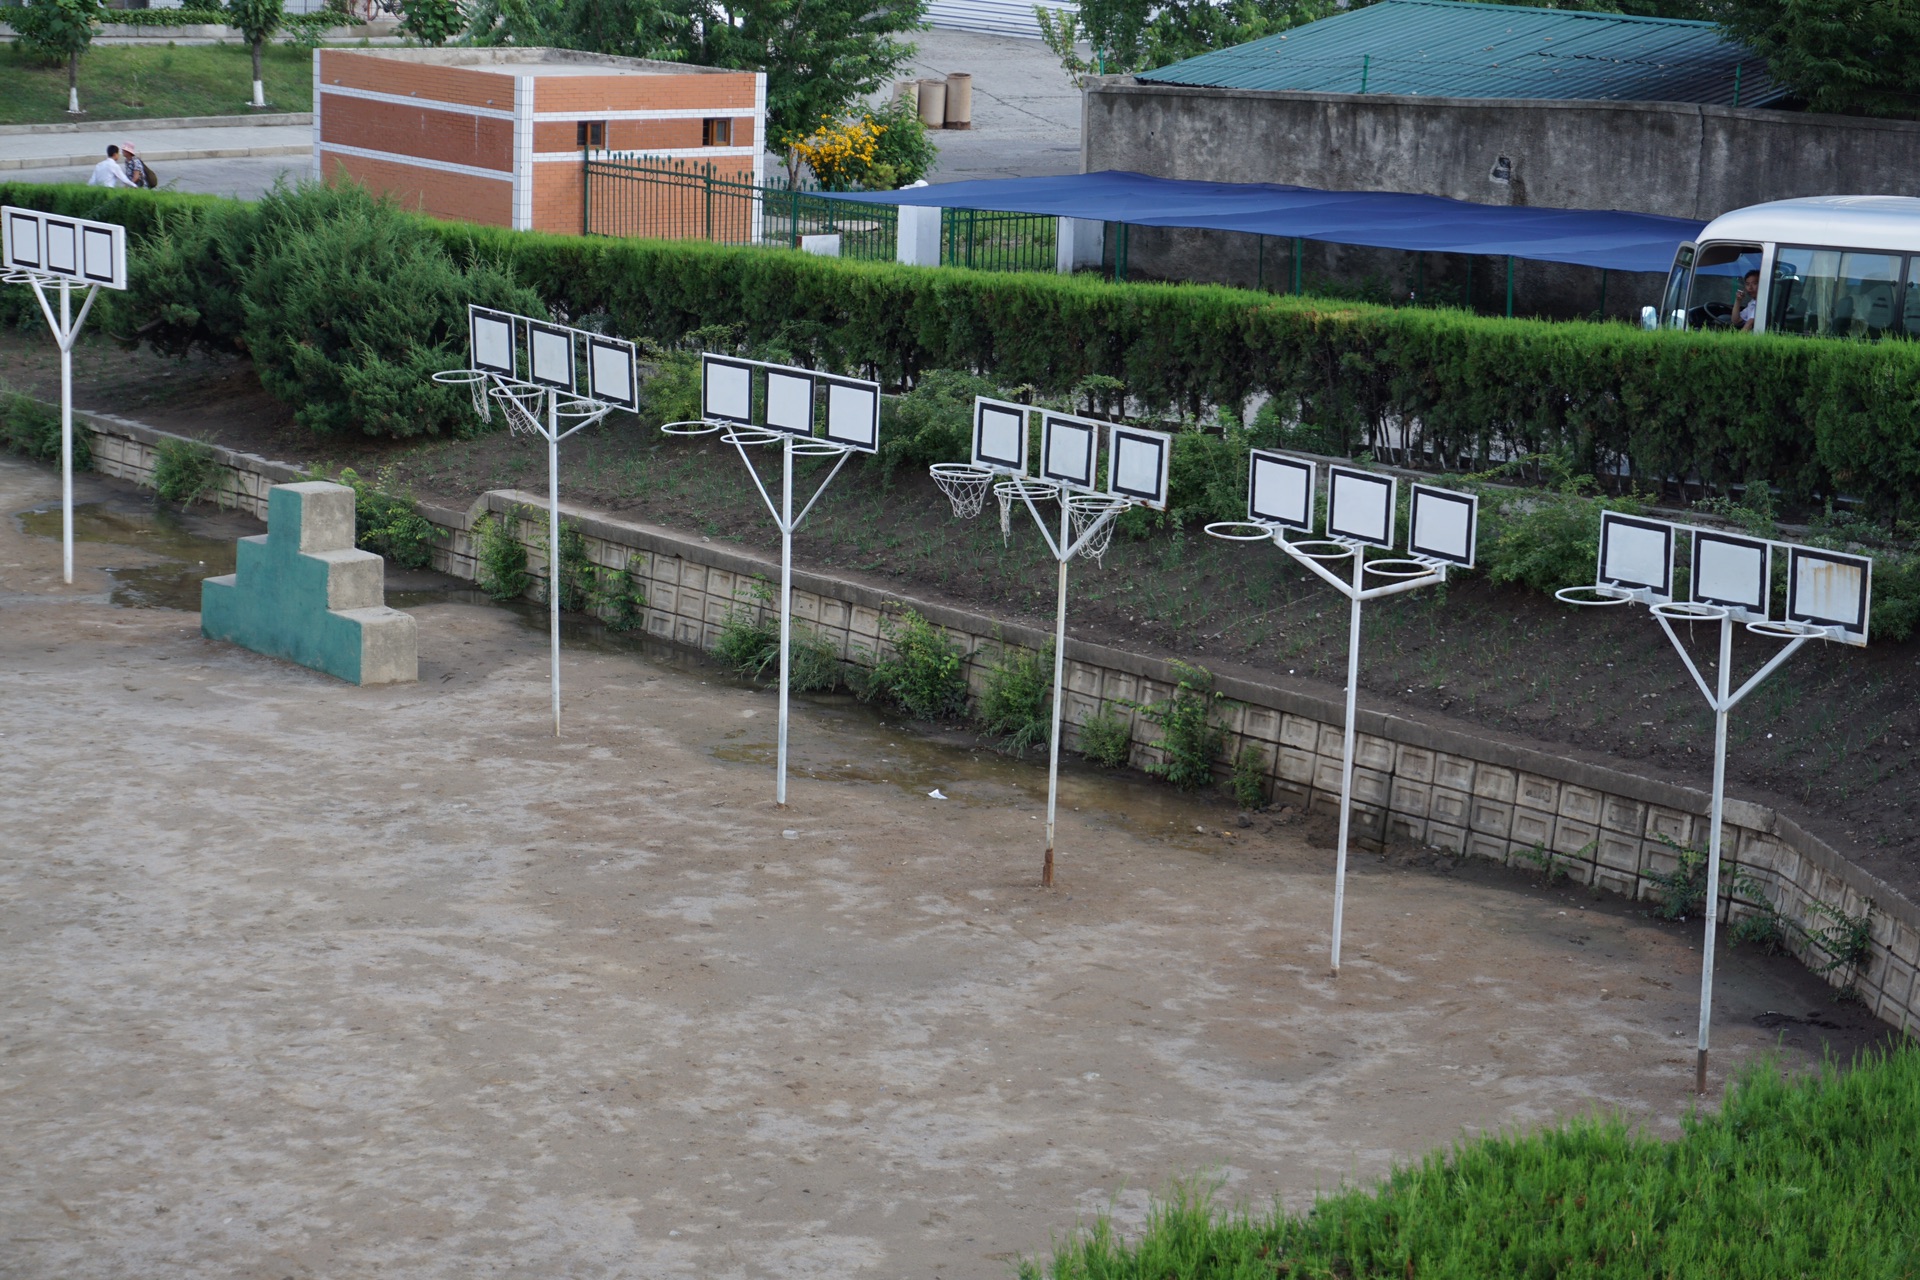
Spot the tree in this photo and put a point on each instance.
(58, 30)
(257, 20)
(1855, 57)
(432, 22)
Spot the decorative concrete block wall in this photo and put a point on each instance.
(1414, 782)
(302, 592)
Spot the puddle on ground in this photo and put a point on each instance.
(174, 555)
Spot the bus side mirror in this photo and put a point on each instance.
(1649, 318)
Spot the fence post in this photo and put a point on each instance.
(709, 179)
(586, 193)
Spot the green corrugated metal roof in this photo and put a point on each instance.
(1456, 49)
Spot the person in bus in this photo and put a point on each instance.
(1746, 302)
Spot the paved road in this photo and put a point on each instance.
(1026, 121)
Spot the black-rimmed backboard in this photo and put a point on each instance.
(1000, 438)
(1138, 464)
(611, 372)
(1636, 555)
(52, 244)
(789, 402)
(853, 412)
(490, 341)
(1280, 490)
(1443, 524)
(1070, 450)
(550, 356)
(1731, 571)
(1360, 506)
(726, 389)
(1830, 589)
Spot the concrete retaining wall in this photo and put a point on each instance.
(1413, 782)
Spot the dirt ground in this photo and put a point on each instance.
(1830, 739)
(302, 979)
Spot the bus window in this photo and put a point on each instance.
(1716, 282)
(1836, 293)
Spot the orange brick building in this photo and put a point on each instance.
(496, 135)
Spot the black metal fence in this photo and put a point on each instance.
(674, 200)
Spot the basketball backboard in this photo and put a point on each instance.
(612, 376)
(490, 341)
(726, 389)
(1360, 506)
(1280, 490)
(790, 402)
(1636, 555)
(550, 356)
(1830, 589)
(1444, 525)
(853, 412)
(1138, 464)
(1733, 572)
(76, 249)
(1070, 450)
(1000, 439)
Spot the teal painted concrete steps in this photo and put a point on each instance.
(303, 592)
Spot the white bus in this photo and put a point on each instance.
(1830, 266)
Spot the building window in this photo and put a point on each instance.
(590, 133)
(716, 131)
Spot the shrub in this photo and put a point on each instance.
(388, 524)
(352, 306)
(1249, 779)
(672, 392)
(33, 429)
(1191, 740)
(499, 557)
(1546, 539)
(932, 422)
(576, 570)
(185, 471)
(904, 152)
(749, 646)
(922, 675)
(1017, 703)
(1106, 738)
(619, 597)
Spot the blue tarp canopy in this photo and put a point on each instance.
(1608, 239)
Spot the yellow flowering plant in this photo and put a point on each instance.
(840, 152)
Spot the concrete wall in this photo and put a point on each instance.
(1678, 159)
(1413, 782)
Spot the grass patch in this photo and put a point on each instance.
(120, 82)
(29, 427)
(922, 676)
(1017, 704)
(749, 645)
(1808, 1177)
(185, 471)
(1106, 738)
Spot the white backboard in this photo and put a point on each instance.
(1138, 463)
(490, 340)
(611, 375)
(1830, 589)
(853, 412)
(1733, 572)
(1069, 450)
(1360, 506)
(550, 355)
(726, 389)
(1280, 490)
(790, 402)
(1444, 525)
(1636, 554)
(52, 244)
(1000, 440)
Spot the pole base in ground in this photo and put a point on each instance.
(1046, 870)
(1700, 1075)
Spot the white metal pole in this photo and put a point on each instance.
(1721, 707)
(786, 611)
(65, 337)
(1346, 758)
(1059, 694)
(553, 548)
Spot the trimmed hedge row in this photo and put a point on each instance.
(1815, 418)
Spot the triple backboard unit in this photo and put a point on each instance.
(1361, 508)
(1138, 461)
(788, 401)
(1731, 571)
(76, 249)
(554, 356)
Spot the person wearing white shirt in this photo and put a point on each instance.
(108, 172)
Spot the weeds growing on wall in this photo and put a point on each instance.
(185, 471)
(1106, 738)
(576, 569)
(921, 672)
(1016, 704)
(31, 428)
(1190, 738)
(619, 596)
(386, 521)
(749, 645)
(1249, 778)
(500, 558)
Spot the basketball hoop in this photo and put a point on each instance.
(1689, 611)
(1022, 487)
(814, 447)
(1324, 549)
(1781, 630)
(475, 381)
(965, 486)
(748, 436)
(1594, 597)
(1398, 569)
(521, 400)
(1238, 531)
(689, 427)
(1093, 517)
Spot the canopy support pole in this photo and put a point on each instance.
(1120, 254)
(1603, 293)
(1509, 286)
(1260, 263)
(1296, 264)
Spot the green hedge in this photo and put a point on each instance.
(166, 17)
(1814, 418)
